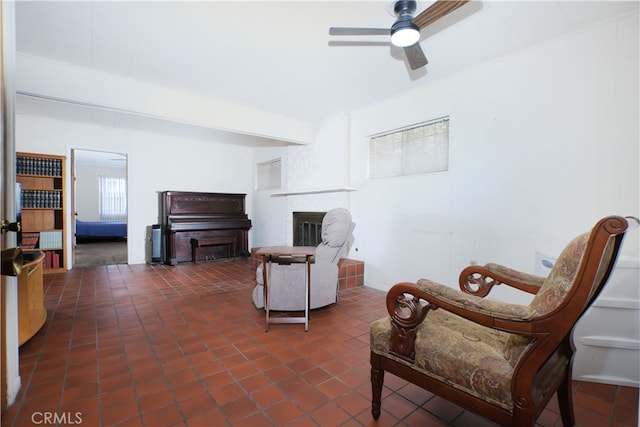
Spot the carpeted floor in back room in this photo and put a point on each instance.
(100, 253)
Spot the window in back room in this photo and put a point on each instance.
(417, 149)
(112, 192)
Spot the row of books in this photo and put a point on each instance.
(30, 240)
(42, 240)
(50, 239)
(49, 199)
(38, 166)
(52, 260)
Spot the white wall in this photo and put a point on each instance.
(321, 169)
(543, 143)
(156, 163)
(269, 222)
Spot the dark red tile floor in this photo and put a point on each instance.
(142, 345)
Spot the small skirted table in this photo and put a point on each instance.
(286, 255)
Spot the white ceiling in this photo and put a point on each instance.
(99, 158)
(276, 55)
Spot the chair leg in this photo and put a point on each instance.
(565, 400)
(377, 380)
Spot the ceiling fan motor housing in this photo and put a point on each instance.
(404, 10)
(404, 32)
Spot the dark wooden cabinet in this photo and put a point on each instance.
(203, 216)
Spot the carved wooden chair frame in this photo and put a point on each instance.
(408, 306)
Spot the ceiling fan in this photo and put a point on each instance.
(405, 31)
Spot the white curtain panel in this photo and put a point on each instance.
(113, 198)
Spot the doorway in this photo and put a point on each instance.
(99, 200)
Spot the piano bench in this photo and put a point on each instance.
(200, 243)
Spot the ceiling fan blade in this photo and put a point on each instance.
(358, 43)
(437, 11)
(349, 31)
(415, 56)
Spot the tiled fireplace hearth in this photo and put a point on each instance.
(350, 271)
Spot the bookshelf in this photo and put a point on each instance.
(42, 179)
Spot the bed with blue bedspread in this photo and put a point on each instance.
(101, 229)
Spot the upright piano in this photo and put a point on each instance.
(212, 217)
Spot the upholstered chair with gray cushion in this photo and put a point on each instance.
(287, 281)
(502, 361)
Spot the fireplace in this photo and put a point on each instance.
(307, 228)
(307, 231)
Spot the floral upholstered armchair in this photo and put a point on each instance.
(502, 361)
(285, 292)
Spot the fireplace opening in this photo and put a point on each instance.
(307, 228)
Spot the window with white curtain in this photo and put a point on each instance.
(418, 149)
(269, 175)
(112, 192)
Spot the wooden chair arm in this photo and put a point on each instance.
(479, 280)
(407, 307)
(486, 312)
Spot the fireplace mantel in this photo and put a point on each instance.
(313, 191)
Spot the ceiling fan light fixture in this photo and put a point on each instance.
(404, 33)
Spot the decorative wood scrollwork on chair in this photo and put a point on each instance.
(408, 313)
